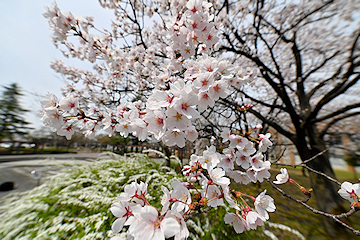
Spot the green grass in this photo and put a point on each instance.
(347, 176)
(295, 215)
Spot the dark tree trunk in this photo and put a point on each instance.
(36, 146)
(167, 152)
(18, 148)
(325, 191)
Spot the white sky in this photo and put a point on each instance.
(26, 49)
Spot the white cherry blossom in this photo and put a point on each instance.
(239, 224)
(217, 175)
(182, 194)
(247, 149)
(121, 210)
(152, 228)
(350, 192)
(239, 176)
(265, 142)
(211, 192)
(264, 204)
(165, 200)
(253, 219)
(174, 137)
(283, 177)
(242, 160)
(66, 130)
(70, 104)
(134, 192)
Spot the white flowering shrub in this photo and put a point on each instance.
(75, 203)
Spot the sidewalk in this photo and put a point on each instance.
(18, 168)
(22, 157)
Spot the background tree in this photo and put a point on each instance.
(307, 56)
(352, 159)
(12, 119)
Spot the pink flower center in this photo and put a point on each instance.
(205, 96)
(159, 121)
(204, 82)
(128, 213)
(178, 116)
(184, 106)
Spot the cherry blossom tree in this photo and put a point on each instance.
(176, 71)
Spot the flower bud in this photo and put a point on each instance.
(186, 184)
(197, 195)
(194, 168)
(192, 206)
(185, 169)
(203, 201)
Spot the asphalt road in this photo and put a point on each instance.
(19, 168)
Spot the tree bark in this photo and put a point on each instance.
(167, 152)
(325, 191)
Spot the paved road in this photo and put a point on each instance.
(18, 168)
(78, 156)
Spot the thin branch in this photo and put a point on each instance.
(337, 90)
(312, 158)
(335, 120)
(338, 112)
(303, 164)
(281, 155)
(189, 216)
(333, 216)
(261, 102)
(320, 66)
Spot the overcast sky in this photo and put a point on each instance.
(27, 50)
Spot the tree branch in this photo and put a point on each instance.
(336, 113)
(335, 120)
(333, 216)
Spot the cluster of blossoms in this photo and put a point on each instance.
(177, 80)
(177, 93)
(209, 177)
